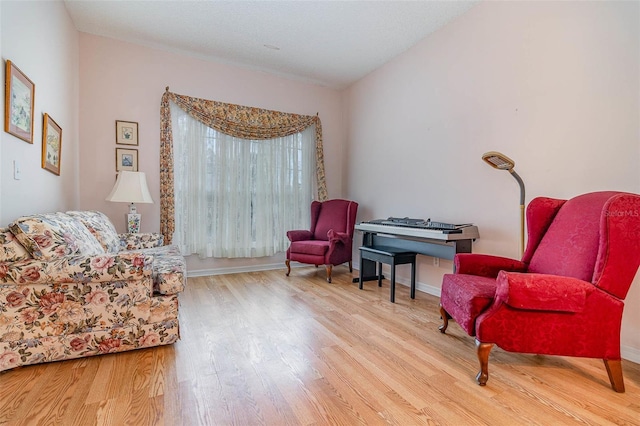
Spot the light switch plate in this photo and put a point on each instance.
(17, 171)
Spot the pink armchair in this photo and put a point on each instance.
(330, 239)
(566, 296)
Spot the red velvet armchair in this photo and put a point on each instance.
(566, 296)
(330, 239)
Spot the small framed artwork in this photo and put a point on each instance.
(51, 145)
(18, 103)
(126, 132)
(126, 159)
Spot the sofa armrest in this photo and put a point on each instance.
(486, 265)
(79, 268)
(299, 235)
(542, 292)
(130, 241)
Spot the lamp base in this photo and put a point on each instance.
(133, 222)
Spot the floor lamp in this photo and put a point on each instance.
(502, 162)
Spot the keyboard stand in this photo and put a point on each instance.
(406, 239)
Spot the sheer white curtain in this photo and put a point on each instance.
(236, 197)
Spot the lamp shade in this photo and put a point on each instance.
(130, 187)
(498, 160)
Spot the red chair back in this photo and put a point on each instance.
(571, 244)
(332, 214)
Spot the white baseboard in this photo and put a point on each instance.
(240, 269)
(236, 270)
(630, 354)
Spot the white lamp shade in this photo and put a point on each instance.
(130, 187)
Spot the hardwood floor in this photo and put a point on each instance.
(261, 348)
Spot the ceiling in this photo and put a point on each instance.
(330, 43)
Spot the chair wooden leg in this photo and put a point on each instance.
(614, 370)
(483, 350)
(329, 267)
(288, 263)
(350, 267)
(445, 320)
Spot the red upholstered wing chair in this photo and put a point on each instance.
(566, 295)
(330, 238)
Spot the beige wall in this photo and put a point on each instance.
(41, 40)
(553, 85)
(123, 81)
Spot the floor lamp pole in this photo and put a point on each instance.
(500, 161)
(521, 184)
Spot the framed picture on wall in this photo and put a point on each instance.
(126, 159)
(51, 145)
(18, 103)
(126, 132)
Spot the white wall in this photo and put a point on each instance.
(123, 81)
(553, 85)
(40, 39)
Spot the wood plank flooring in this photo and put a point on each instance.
(264, 349)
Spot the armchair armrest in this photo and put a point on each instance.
(130, 241)
(338, 237)
(299, 235)
(80, 268)
(486, 265)
(542, 292)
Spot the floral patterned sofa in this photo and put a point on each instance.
(71, 287)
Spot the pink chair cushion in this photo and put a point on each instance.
(313, 247)
(465, 297)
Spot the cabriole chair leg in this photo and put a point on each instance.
(288, 263)
(445, 320)
(483, 356)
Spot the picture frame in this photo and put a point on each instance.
(51, 145)
(18, 103)
(126, 132)
(126, 159)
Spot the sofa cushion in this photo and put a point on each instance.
(51, 235)
(100, 227)
(10, 248)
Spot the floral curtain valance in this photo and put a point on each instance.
(235, 120)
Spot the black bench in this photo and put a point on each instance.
(391, 256)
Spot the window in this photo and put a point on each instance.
(236, 197)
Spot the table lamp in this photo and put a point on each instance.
(500, 161)
(131, 187)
